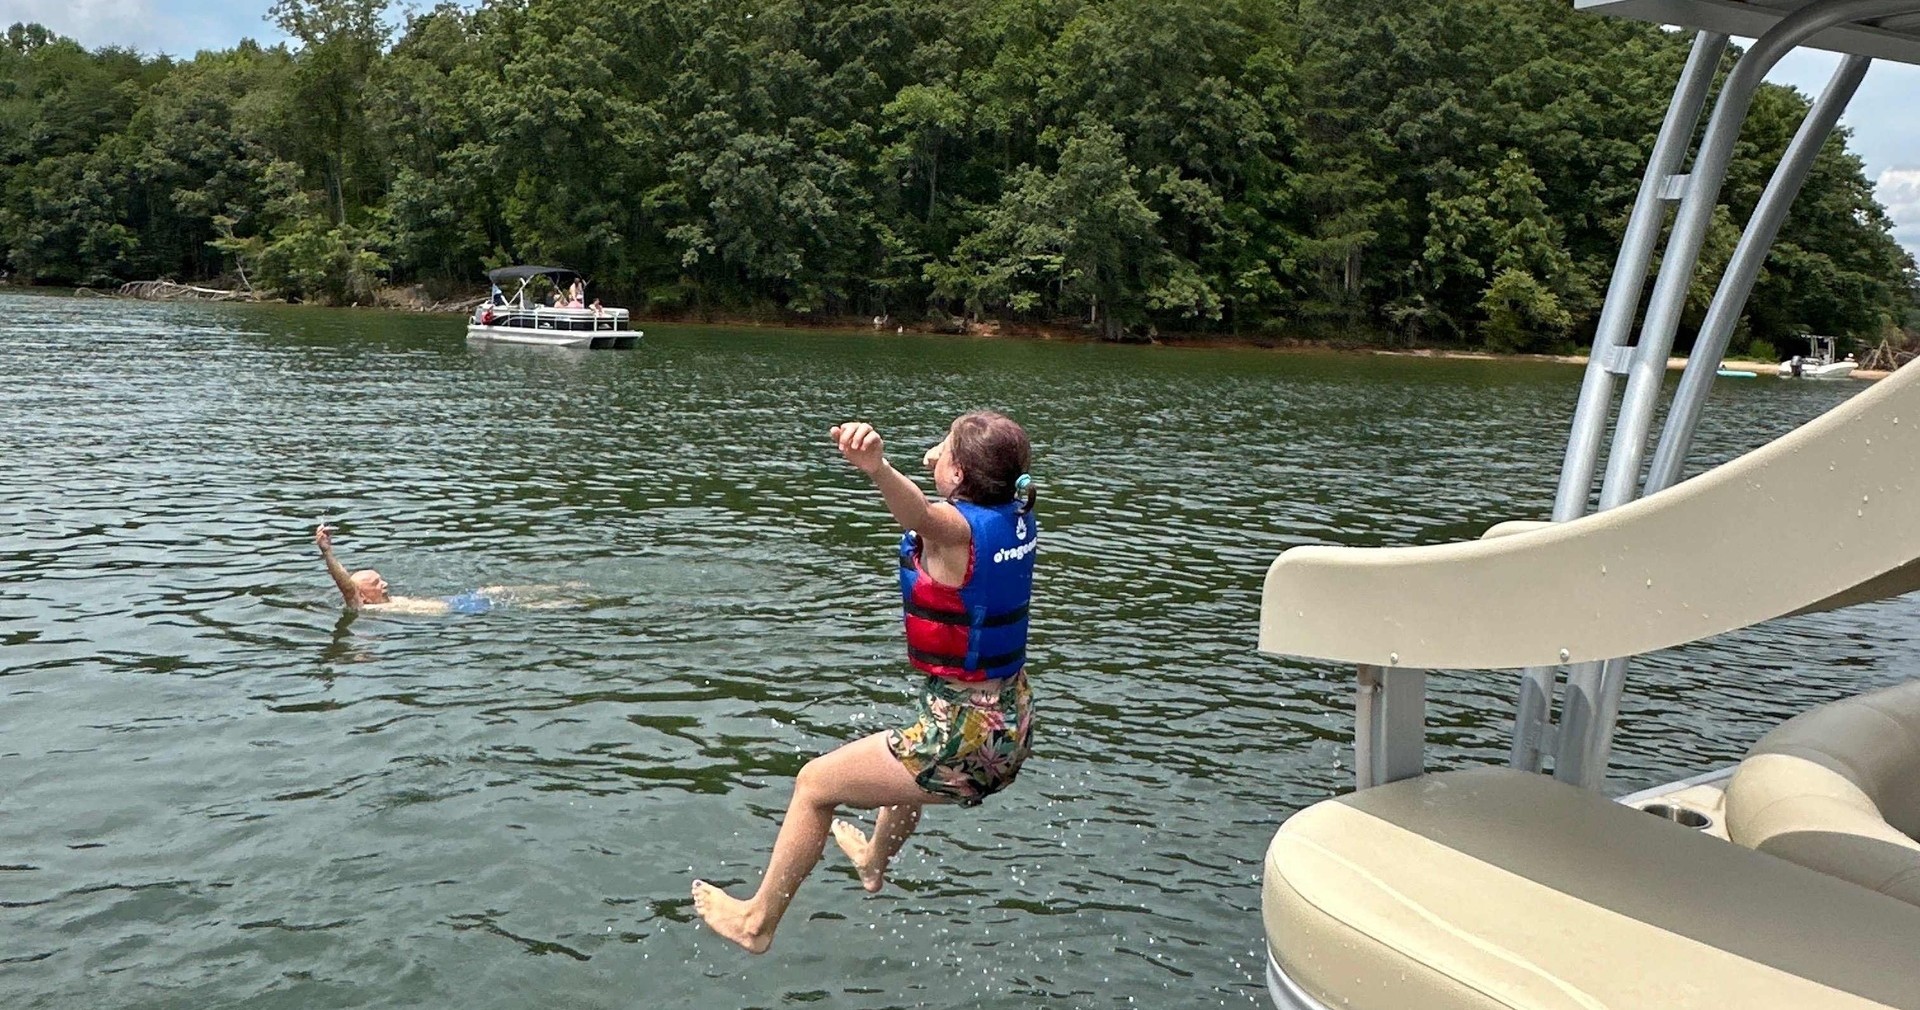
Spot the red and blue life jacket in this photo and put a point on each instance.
(978, 629)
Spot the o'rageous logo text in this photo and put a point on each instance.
(1006, 554)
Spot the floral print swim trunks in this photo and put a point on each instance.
(969, 742)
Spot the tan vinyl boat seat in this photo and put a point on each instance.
(1837, 789)
(1494, 888)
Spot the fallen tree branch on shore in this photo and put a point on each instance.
(168, 291)
(1887, 357)
(459, 305)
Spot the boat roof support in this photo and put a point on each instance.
(1736, 283)
(1695, 217)
(1533, 715)
(1630, 275)
(1590, 743)
(1590, 707)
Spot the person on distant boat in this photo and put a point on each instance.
(366, 590)
(966, 576)
(577, 294)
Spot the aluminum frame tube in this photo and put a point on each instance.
(1689, 400)
(1535, 703)
(1676, 439)
(1587, 686)
(1390, 726)
(1690, 228)
(1630, 275)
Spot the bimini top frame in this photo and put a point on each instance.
(1888, 37)
(1592, 700)
(1391, 725)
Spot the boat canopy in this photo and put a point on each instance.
(1889, 34)
(527, 273)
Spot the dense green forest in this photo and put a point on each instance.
(1440, 171)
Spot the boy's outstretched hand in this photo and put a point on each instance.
(861, 445)
(324, 538)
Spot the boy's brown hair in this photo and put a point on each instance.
(993, 454)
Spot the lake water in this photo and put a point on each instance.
(217, 790)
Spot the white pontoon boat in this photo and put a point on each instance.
(1818, 362)
(520, 318)
(1789, 881)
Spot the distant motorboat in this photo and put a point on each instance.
(1819, 362)
(521, 319)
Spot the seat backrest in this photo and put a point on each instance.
(1837, 789)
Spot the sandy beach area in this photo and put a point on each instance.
(1761, 369)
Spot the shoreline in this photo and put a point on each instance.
(400, 300)
(1284, 345)
(1761, 369)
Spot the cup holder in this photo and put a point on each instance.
(1686, 817)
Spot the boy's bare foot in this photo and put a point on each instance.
(859, 848)
(730, 917)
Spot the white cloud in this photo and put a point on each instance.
(1898, 190)
(150, 26)
(1879, 119)
(93, 23)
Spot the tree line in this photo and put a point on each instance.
(1440, 171)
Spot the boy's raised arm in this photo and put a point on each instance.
(324, 539)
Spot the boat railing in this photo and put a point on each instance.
(548, 317)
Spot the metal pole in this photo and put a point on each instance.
(1648, 370)
(1389, 726)
(1584, 719)
(1710, 346)
(1649, 366)
(1630, 275)
(1737, 283)
(1616, 318)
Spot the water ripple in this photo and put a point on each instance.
(224, 791)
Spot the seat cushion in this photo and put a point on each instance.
(1837, 789)
(1494, 888)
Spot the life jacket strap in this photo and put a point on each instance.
(1018, 656)
(962, 619)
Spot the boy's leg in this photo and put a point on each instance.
(861, 774)
(871, 856)
(892, 828)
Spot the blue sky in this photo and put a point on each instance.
(1881, 116)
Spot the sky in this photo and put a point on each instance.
(1881, 116)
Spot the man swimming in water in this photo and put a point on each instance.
(366, 590)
